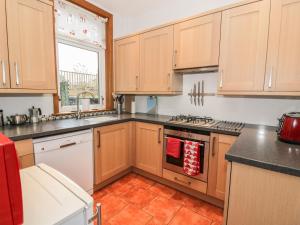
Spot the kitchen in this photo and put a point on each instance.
(164, 115)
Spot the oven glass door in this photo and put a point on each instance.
(176, 164)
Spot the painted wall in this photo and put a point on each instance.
(19, 104)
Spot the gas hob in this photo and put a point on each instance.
(207, 122)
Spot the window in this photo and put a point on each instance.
(81, 55)
(80, 69)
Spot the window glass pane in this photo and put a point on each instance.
(78, 72)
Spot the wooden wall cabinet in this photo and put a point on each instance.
(24, 150)
(127, 64)
(197, 41)
(149, 148)
(243, 48)
(283, 68)
(4, 64)
(261, 197)
(31, 45)
(219, 146)
(111, 151)
(156, 62)
(143, 64)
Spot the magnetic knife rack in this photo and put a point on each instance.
(197, 94)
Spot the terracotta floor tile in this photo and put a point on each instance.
(139, 197)
(111, 205)
(139, 201)
(186, 216)
(119, 188)
(155, 222)
(130, 215)
(127, 178)
(100, 194)
(192, 203)
(216, 223)
(162, 190)
(141, 182)
(162, 209)
(180, 197)
(210, 211)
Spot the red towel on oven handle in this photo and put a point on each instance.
(173, 147)
(191, 162)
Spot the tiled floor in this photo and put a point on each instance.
(135, 200)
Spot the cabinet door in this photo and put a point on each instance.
(4, 70)
(244, 36)
(156, 60)
(149, 148)
(283, 68)
(220, 144)
(24, 150)
(31, 44)
(197, 42)
(111, 151)
(127, 64)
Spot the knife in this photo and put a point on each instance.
(195, 94)
(202, 97)
(199, 92)
(191, 96)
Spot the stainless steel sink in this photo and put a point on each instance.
(101, 119)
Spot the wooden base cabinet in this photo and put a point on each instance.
(111, 151)
(219, 146)
(24, 150)
(261, 197)
(149, 148)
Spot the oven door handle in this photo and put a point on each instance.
(213, 147)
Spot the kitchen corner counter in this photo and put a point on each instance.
(55, 127)
(258, 146)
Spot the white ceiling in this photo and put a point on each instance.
(131, 8)
(134, 8)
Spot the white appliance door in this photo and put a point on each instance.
(70, 155)
(47, 201)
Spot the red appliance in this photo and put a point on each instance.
(289, 128)
(11, 205)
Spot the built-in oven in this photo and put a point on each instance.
(176, 164)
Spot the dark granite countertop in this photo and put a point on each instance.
(55, 127)
(256, 145)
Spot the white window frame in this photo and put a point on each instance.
(101, 71)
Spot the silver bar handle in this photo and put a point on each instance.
(97, 215)
(270, 78)
(169, 81)
(221, 79)
(166, 137)
(3, 73)
(174, 58)
(17, 74)
(137, 82)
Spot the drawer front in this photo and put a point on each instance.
(185, 181)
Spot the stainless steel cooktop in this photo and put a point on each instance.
(207, 122)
